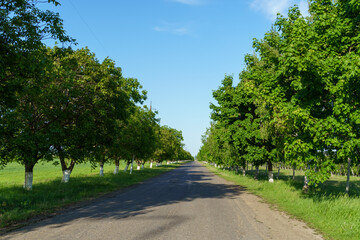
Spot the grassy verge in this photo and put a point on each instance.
(49, 194)
(326, 208)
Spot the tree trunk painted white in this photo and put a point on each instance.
(28, 180)
(271, 177)
(215, 165)
(244, 171)
(256, 172)
(278, 174)
(168, 162)
(348, 176)
(126, 167)
(138, 167)
(132, 165)
(116, 171)
(66, 176)
(101, 171)
(142, 166)
(151, 165)
(293, 173)
(306, 182)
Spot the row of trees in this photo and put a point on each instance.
(64, 103)
(298, 99)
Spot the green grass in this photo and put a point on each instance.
(326, 208)
(49, 194)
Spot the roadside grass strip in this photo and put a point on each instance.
(49, 194)
(325, 208)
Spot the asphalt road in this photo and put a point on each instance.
(187, 203)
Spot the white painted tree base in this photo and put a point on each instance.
(271, 176)
(151, 165)
(116, 171)
(142, 166)
(66, 176)
(126, 168)
(101, 171)
(28, 180)
(138, 167)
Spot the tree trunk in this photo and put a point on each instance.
(66, 176)
(306, 183)
(66, 170)
(278, 174)
(138, 167)
(348, 176)
(294, 173)
(270, 172)
(256, 171)
(132, 164)
(116, 171)
(151, 164)
(237, 169)
(127, 166)
(101, 169)
(143, 166)
(168, 162)
(28, 176)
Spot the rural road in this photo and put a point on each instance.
(187, 203)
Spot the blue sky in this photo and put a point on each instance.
(179, 50)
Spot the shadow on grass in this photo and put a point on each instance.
(187, 183)
(328, 190)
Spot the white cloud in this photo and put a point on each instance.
(271, 7)
(190, 2)
(173, 29)
(181, 31)
(159, 29)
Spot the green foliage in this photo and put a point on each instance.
(169, 144)
(298, 96)
(64, 102)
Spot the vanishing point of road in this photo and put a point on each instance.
(187, 203)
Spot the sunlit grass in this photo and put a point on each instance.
(326, 208)
(49, 194)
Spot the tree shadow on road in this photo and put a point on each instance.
(185, 184)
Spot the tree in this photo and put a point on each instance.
(138, 136)
(26, 127)
(23, 66)
(23, 26)
(170, 144)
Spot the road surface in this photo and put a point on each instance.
(187, 203)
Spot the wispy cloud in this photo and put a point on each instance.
(271, 7)
(190, 2)
(173, 29)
